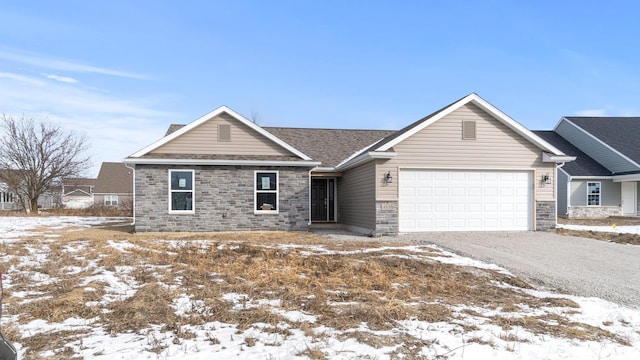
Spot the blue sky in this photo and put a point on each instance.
(121, 71)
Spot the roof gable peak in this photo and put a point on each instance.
(203, 119)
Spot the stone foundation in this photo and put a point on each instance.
(386, 218)
(593, 211)
(545, 215)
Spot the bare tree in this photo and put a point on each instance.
(39, 153)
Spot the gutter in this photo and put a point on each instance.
(133, 209)
(558, 166)
(156, 161)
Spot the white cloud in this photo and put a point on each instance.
(64, 79)
(47, 62)
(21, 78)
(115, 127)
(592, 112)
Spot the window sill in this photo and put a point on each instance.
(183, 212)
(265, 212)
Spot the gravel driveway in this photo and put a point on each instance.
(574, 265)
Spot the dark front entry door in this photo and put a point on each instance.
(322, 199)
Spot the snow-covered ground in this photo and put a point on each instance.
(448, 340)
(622, 229)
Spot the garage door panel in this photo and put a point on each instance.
(464, 200)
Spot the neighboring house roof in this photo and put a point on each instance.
(329, 146)
(114, 178)
(620, 133)
(84, 185)
(583, 165)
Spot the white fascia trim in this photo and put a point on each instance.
(628, 177)
(211, 115)
(546, 157)
(324, 169)
(492, 110)
(600, 141)
(219, 162)
(601, 177)
(364, 157)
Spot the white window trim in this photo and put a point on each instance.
(193, 192)
(111, 199)
(256, 191)
(599, 194)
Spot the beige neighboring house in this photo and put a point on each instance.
(114, 186)
(77, 193)
(465, 167)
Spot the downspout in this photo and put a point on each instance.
(134, 191)
(558, 166)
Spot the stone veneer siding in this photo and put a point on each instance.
(545, 215)
(593, 211)
(386, 218)
(224, 199)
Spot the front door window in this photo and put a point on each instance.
(323, 199)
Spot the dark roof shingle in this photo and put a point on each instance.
(329, 146)
(621, 133)
(114, 178)
(583, 165)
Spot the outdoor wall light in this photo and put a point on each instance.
(388, 178)
(546, 179)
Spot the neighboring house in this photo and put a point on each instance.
(604, 180)
(114, 186)
(467, 166)
(8, 197)
(77, 193)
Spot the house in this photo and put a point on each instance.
(114, 186)
(605, 178)
(8, 197)
(77, 193)
(467, 166)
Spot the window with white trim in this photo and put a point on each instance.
(6, 197)
(181, 191)
(593, 193)
(111, 200)
(266, 192)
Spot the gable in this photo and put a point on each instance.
(594, 147)
(209, 138)
(494, 144)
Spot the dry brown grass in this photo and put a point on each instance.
(342, 290)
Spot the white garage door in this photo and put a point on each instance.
(447, 200)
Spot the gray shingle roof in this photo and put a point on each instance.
(621, 133)
(114, 178)
(583, 165)
(329, 146)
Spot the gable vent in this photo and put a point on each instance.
(224, 132)
(468, 130)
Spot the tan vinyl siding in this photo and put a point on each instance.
(440, 146)
(356, 197)
(204, 140)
